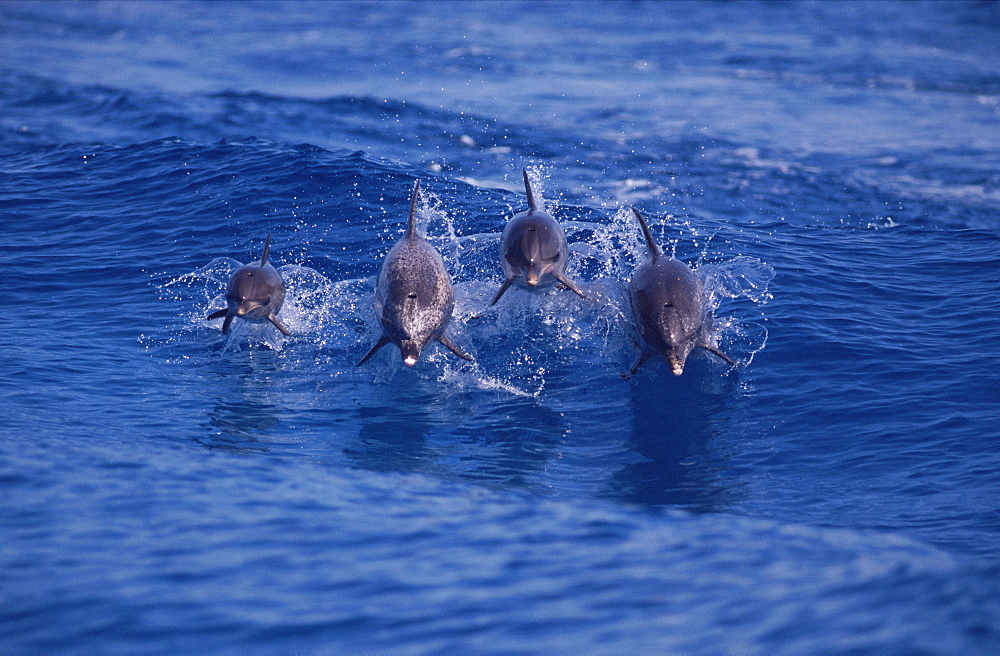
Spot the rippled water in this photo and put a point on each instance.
(829, 169)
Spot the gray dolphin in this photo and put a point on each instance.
(413, 298)
(669, 307)
(255, 294)
(533, 250)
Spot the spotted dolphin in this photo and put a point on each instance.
(533, 250)
(668, 304)
(413, 297)
(255, 294)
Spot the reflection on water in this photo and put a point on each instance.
(243, 416)
(673, 425)
(508, 444)
(392, 427)
(650, 441)
(414, 423)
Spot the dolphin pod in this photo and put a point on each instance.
(255, 294)
(414, 298)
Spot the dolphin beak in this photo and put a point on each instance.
(409, 351)
(676, 366)
(534, 273)
(244, 309)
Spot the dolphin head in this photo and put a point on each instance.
(253, 309)
(680, 319)
(414, 327)
(676, 356)
(410, 351)
(673, 321)
(416, 316)
(255, 292)
(534, 249)
(669, 309)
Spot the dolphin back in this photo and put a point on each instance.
(667, 301)
(414, 289)
(413, 297)
(668, 306)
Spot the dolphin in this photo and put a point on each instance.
(255, 294)
(413, 298)
(669, 307)
(533, 250)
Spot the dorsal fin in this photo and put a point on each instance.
(654, 250)
(267, 247)
(532, 203)
(411, 230)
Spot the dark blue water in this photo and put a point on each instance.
(832, 170)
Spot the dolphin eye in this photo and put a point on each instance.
(668, 304)
(411, 295)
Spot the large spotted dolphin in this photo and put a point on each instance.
(255, 294)
(668, 305)
(533, 250)
(413, 297)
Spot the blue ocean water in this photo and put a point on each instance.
(832, 170)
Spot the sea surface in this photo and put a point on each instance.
(830, 170)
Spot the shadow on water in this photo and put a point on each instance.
(673, 425)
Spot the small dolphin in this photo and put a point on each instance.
(533, 250)
(669, 307)
(255, 294)
(413, 298)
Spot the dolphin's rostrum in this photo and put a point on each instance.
(533, 250)
(414, 297)
(669, 308)
(255, 294)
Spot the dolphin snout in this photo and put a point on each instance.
(247, 307)
(410, 352)
(534, 273)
